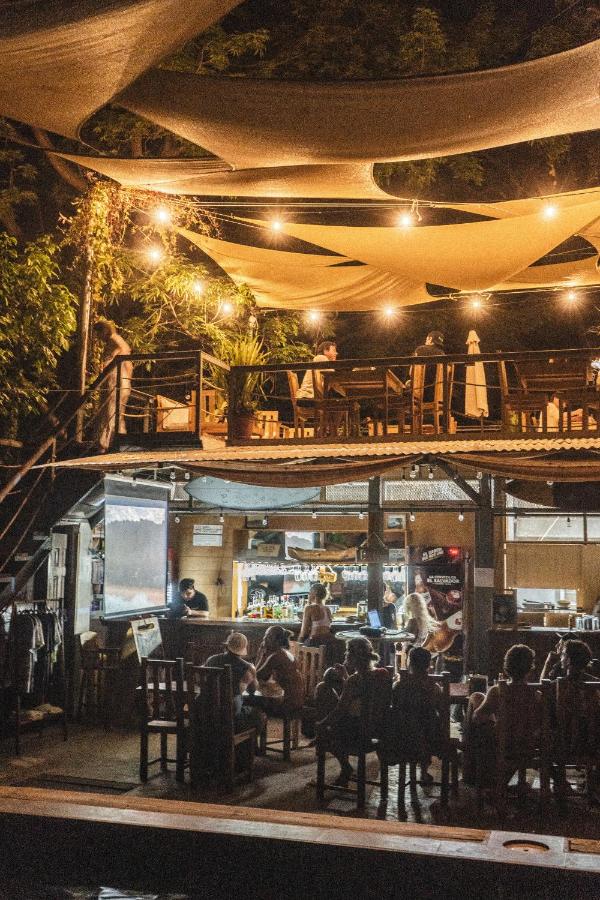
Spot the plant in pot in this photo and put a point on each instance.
(245, 388)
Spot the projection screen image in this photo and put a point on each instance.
(135, 573)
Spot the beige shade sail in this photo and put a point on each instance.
(301, 281)
(582, 273)
(471, 256)
(255, 123)
(215, 178)
(61, 61)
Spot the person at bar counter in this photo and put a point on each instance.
(340, 730)
(280, 683)
(243, 675)
(316, 620)
(189, 601)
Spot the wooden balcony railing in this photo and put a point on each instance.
(403, 398)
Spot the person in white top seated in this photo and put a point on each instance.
(316, 621)
(552, 422)
(312, 383)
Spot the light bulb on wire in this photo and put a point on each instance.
(276, 225)
(389, 312)
(549, 211)
(461, 516)
(572, 296)
(226, 308)
(198, 287)
(412, 516)
(162, 215)
(155, 254)
(405, 220)
(314, 316)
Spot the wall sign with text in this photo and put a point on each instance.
(207, 536)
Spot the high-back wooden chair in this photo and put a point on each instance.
(311, 663)
(411, 739)
(430, 413)
(308, 414)
(375, 704)
(162, 702)
(577, 744)
(214, 740)
(521, 743)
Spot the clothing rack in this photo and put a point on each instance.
(45, 675)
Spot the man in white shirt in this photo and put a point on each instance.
(326, 352)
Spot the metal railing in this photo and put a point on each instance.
(404, 398)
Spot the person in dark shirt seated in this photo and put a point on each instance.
(433, 346)
(417, 731)
(189, 602)
(243, 675)
(566, 658)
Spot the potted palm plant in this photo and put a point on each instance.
(245, 388)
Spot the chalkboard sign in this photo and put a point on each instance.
(147, 637)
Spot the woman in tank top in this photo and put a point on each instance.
(316, 621)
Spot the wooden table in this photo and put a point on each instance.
(364, 383)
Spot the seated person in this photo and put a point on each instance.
(243, 676)
(553, 420)
(388, 613)
(564, 659)
(341, 729)
(524, 717)
(189, 602)
(312, 383)
(329, 691)
(417, 619)
(416, 723)
(316, 620)
(433, 346)
(281, 684)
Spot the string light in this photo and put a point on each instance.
(389, 312)
(162, 215)
(476, 301)
(549, 211)
(313, 515)
(412, 516)
(405, 220)
(265, 521)
(461, 516)
(221, 518)
(430, 473)
(314, 316)
(276, 224)
(413, 471)
(155, 254)
(226, 308)
(572, 296)
(198, 287)
(361, 515)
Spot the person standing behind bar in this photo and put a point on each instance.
(114, 345)
(190, 602)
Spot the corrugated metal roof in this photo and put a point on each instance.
(286, 452)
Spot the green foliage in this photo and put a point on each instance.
(37, 318)
(249, 388)
(16, 179)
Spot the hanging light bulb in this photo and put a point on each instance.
(568, 521)
(276, 224)
(476, 301)
(461, 516)
(413, 471)
(226, 308)
(549, 211)
(221, 518)
(162, 215)
(177, 520)
(198, 287)
(265, 521)
(314, 316)
(172, 474)
(361, 515)
(412, 516)
(430, 473)
(572, 296)
(389, 312)
(313, 514)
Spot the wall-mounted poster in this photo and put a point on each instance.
(207, 536)
(395, 522)
(438, 574)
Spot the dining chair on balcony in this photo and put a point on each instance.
(423, 408)
(308, 414)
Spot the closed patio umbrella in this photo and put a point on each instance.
(476, 399)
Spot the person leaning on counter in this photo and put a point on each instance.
(189, 601)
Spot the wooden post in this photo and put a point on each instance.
(483, 577)
(83, 336)
(376, 546)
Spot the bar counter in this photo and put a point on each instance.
(540, 639)
(208, 635)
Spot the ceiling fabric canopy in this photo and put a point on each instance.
(582, 272)
(471, 256)
(61, 61)
(303, 474)
(214, 178)
(544, 467)
(298, 281)
(253, 123)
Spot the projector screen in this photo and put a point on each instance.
(135, 564)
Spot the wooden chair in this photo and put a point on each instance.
(400, 748)
(371, 740)
(96, 682)
(311, 663)
(512, 755)
(162, 702)
(214, 741)
(577, 710)
(305, 413)
(323, 415)
(420, 415)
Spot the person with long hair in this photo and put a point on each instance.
(316, 621)
(280, 682)
(417, 619)
(341, 729)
